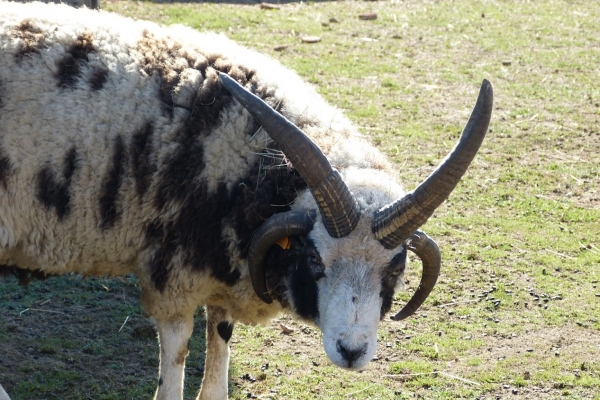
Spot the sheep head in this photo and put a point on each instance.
(347, 247)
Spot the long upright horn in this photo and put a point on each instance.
(395, 223)
(338, 206)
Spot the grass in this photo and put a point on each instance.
(518, 305)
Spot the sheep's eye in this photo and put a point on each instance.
(317, 272)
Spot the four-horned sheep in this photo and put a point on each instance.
(215, 175)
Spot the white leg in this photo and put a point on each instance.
(3, 395)
(173, 336)
(219, 328)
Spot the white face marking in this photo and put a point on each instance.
(349, 311)
(349, 301)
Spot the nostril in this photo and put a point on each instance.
(350, 354)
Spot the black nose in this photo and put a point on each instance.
(350, 354)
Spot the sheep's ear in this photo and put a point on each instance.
(295, 222)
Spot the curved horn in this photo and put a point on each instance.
(296, 222)
(394, 223)
(429, 253)
(338, 206)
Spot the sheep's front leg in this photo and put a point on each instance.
(219, 328)
(3, 395)
(173, 336)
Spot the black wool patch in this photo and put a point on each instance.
(389, 281)
(225, 330)
(196, 232)
(49, 192)
(163, 59)
(69, 67)
(53, 191)
(159, 263)
(302, 266)
(70, 164)
(111, 185)
(98, 79)
(159, 59)
(176, 179)
(269, 188)
(31, 39)
(5, 168)
(197, 229)
(266, 190)
(141, 166)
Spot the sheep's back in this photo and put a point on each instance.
(116, 137)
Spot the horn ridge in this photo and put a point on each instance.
(428, 251)
(395, 222)
(338, 207)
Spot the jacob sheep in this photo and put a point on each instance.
(211, 172)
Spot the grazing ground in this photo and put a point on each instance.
(516, 313)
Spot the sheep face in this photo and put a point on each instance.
(343, 285)
(355, 292)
